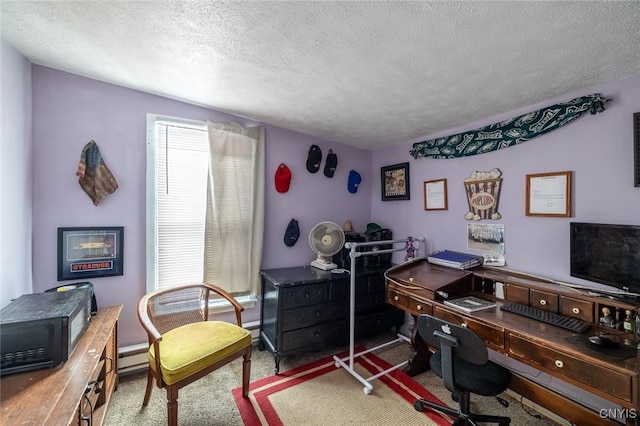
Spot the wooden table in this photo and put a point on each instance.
(56, 396)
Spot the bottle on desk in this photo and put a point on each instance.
(606, 320)
(629, 325)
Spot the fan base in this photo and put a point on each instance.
(325, 266)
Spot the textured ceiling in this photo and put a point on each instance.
(369, 74)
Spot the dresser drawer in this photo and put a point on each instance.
(376, 283)
(493, 336)
(319, 336)
(305, 295)
(576, 308)
(362, 286)
(372, 302)
(310, 315)
(610, 382)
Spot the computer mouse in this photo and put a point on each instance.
(601, 341)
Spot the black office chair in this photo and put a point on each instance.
(463, 363)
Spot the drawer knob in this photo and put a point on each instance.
(306, 294)
(575, 310)
(419, 307)
(559, 363)
(464, 324)
(396, 298)
(543, 302)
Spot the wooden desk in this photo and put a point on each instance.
(55, 396)
(420, 288)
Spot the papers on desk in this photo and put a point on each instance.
(470, 303)
(454, 259)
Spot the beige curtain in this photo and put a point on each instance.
(235, 207)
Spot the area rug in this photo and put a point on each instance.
(322, 394)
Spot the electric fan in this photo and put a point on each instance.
(326, 239)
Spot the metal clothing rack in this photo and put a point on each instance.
(341, 362)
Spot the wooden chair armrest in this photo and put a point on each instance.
(236, 305)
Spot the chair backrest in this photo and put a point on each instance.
(465, 343)
(178, 306)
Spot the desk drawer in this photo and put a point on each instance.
(397, 299)
(518, 294)
(582, 309)
(418, 306)
(545, 301)
(493, 336)
(413, 305)
(597, 377)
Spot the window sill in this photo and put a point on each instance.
(221, 306)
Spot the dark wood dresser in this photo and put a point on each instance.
(307, 309)
(74, 393)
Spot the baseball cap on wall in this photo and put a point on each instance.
(354, 180)
(331, 164)
(292, 233)
(314, 159)
(283, 178)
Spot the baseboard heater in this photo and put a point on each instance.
(134, 358)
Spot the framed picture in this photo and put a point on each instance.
(486, 238)
(395, 182)
(636, 149)
(90, 252)
(549, 194)
(435, 194)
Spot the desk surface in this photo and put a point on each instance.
(51, 395)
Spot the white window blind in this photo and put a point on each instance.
(182, 168)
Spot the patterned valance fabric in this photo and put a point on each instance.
(510, 132)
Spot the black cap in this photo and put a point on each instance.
(314, 159)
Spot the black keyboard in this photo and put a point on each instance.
(558, 320)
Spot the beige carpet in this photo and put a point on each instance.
(320, 393)
(209, 401)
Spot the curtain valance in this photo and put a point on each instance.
(510, 132)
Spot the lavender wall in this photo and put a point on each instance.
(597, 148)
(16, 179)
(69, 110)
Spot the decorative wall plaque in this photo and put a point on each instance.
(483, 194)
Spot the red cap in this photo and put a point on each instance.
(283, 178)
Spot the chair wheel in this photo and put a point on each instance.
(418, 406)
(503, 401)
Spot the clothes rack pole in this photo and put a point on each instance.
(340, 362)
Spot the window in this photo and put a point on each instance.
(183, 220)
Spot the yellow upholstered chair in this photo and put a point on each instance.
(184, 345)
